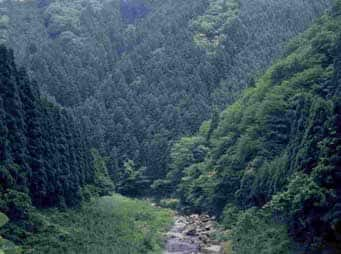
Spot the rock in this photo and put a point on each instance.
(174, 235)
(176, 245)
(191, 231)
(194, 216)
(192, 235)
(179, 227)
(213, 249)
(205, 218)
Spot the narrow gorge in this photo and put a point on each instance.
(170, 126)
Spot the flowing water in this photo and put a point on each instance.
(192, 235)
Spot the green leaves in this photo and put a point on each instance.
(255, 232)
(3, 219)
(274, 149)
(4, 21)
(7, 247)
(301, 189)
(210, 28)
(102, 180)
(112, 224)
(61, 17)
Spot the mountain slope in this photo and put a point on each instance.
(276, 149)
(43, 153)
(135, 72)
(45, 160)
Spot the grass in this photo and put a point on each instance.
(112, 224)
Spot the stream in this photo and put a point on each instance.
(192, 235)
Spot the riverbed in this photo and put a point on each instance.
(193, 235)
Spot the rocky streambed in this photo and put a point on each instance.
(193, 235)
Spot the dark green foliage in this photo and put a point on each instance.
(255, 232)
(44, 158)
(102, 180)
(7, 247)
(139, 73)
(184, 153)
(16, 204)
(277, 149)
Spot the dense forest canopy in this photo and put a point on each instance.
(43, 153)
(138, 72)
(276, 149)
(45, 160)
(225, 107)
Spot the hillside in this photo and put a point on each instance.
(51, 183)
(221, 115)
(45, 161)
(138, 72)
(44, 157)
(269, 164)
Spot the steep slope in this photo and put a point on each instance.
(137, 72)
(45, 160)
(273, 157)
(43, 153)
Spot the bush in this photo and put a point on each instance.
(7, 247)
(4, 21)
(15, 204)
(255, 232)
(112, 224)
(171, 203)
(229, 216)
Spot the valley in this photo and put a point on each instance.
(170, 127)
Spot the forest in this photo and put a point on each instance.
(224, 108)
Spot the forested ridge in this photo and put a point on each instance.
(45, 160)
(270, 162)
(43, 153)
(225, 107)
(138, 72)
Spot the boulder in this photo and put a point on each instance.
(174, 235)
(191, 231)
(213, 249)
(176, 245)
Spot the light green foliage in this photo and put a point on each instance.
(132, 181)
(251, 143)
(7, 247)
(255, 232)
(3, 219)
(63, 16)
(210, 28)
(171, 203)
(112, 224)
(269, 150)
(195, 189)
(4, 21)
(132, 73)
(184, 153)
(102, 180)
(187, 151)
(230, 216)
(154, 86)
(301, 188)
